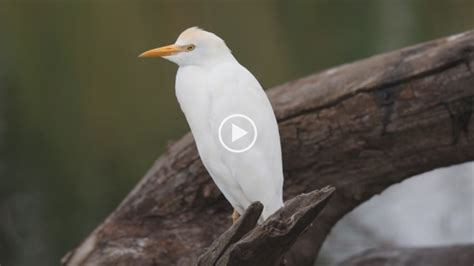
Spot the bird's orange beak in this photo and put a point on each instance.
(162, 51)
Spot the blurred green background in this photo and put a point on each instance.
(82, 118)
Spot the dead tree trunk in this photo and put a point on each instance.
(360, 127)
(458, 255)
(263, 245)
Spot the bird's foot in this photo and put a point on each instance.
(235, 216)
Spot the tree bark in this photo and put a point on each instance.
(263, 245)
(458, 255)
(360, 127)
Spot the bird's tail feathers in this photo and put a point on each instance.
(269, 209)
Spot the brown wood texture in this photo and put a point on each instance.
(360, 127)
(457, 255)
(264, 244)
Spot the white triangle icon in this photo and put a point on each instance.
(237, 133)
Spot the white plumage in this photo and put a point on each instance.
(211, 85)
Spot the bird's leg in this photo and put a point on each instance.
(235, 216)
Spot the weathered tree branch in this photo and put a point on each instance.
(458, 255)
(360, 127)
(264, 244)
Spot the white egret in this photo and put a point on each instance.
(210, 86)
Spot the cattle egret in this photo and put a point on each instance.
(211, 86)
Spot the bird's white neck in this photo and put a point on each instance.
(216, 60)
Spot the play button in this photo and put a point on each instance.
(237, 133)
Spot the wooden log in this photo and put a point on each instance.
(265, 244)
(360, 127)
(457, 255)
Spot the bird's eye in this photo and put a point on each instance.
(190, 47)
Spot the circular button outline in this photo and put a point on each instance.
(254, 137)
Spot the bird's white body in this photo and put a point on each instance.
(225, 89)
(210, 90)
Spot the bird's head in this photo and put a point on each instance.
(194, 46)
